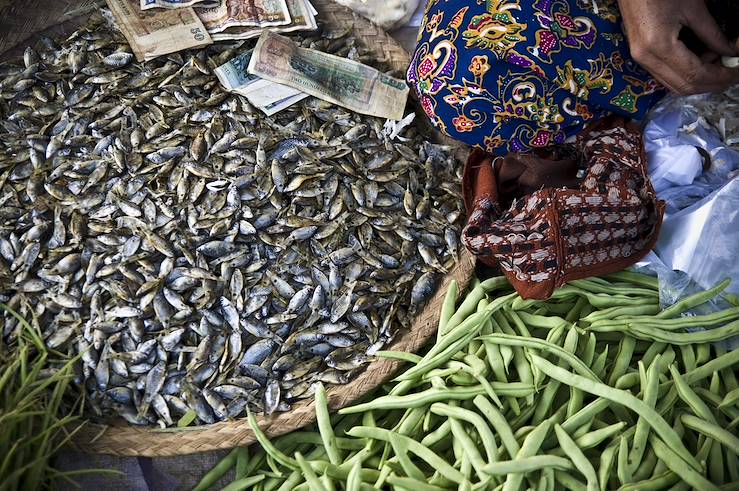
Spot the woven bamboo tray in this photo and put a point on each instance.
(18, 27)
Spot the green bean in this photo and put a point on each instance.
(691, 398)
(529, 448)
(187, 419)
(410, 483)
(678, 338)
(355, 478)
(585, 415)
(613, 290)
(665, 452)
(497, 365)
(448, 307)
(650, 391)
(600, 300)
(268, 447)
(595, 437)
(654, 483)
(570, 483)
(540, 344)
(546, 480)
(399, 355)
(523, 367)
(623, 469)
(574, 314)
(623, 398)
(242, 462)
(559, 309)
(712, 430)
(467, 445)
(499, 423)
(716, 364)
(702, 354)
(732, 462)
(540, 321)
(612, 313)
(324, 425)
(292, 480)
(527, 464)
(577, 457)
(218, 471)
(413, 446)
(634, 278)
(576, 396)
(728, 376)
(408, 421)
(310, 476)
(245, 483)
(599, 364)
(495, 283)
(341, 472)
(716, 464)
(483, 430)
(550, 391)
(514, 389)
(730, 399)
(605, 467)
(709, 320)
(401, 452)
(694, 300)
(646, 467)
(465, 310)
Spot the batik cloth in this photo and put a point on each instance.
(514, 75)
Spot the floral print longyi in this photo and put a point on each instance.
(514, 75)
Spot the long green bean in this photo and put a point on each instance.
(578, 458)
(528, 464)
(712, 430)
(675, 464)
(413, 446)
(623, 398)
(693, 300)
(540, 344)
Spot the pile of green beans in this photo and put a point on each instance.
(596, 388)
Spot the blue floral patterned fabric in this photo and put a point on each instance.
(512, 75)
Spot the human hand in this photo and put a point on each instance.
(653, 27)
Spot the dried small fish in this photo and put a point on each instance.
(198, 255)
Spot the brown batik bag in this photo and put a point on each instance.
(533, 217)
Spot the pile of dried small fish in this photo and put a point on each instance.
(198, 255)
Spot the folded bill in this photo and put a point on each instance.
(344, 82)
(233, 74)
(176, 4)
(277, 106)
(153, 33)
(268, 96)
(252, 13)
(302, 14)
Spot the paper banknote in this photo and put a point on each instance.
(251, 13)
(153, 33)
(277, 106)
(268, 96)
(176, 4)
(302, 14)
(344, 82)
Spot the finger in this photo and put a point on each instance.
(701, 77)
(705, 27)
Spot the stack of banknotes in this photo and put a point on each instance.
(277, 73)
(157, 27)
(244, 19)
